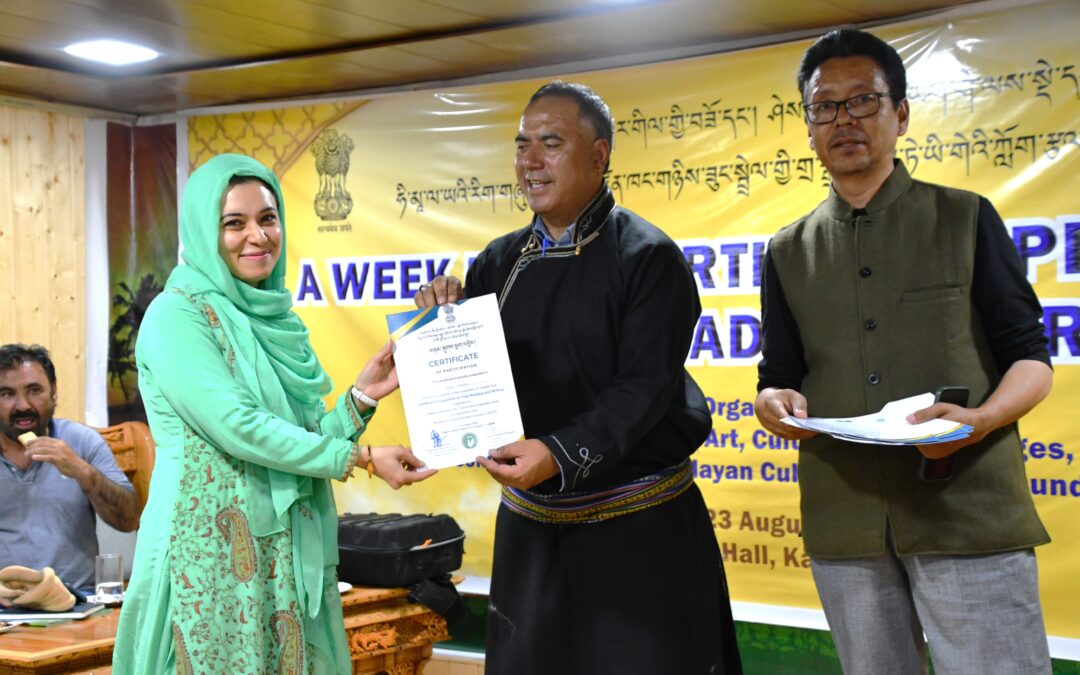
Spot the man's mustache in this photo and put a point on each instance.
(24, 416)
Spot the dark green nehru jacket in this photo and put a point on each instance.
(883, 305)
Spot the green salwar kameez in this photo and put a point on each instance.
(235, 566)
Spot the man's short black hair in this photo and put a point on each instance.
(590, 104)
(14, 355)
(845, 42)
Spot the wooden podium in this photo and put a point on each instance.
(386, 634)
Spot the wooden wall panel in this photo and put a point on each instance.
(43, 242)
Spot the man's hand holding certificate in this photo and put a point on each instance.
(456, 384)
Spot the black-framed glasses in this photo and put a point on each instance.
(862, 105)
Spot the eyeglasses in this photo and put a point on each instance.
(863, 105)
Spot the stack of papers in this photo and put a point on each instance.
(20, 614)
(889, 426)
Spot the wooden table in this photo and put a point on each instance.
(69, 647)
(386, 634)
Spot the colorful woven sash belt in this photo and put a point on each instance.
(593, 507)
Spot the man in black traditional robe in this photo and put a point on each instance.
(605, 558)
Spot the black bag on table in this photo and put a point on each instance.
(392, 550)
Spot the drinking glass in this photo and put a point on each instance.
(108, 578)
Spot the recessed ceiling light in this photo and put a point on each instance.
(112, 52)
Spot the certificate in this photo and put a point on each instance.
(456, 383)
(889, 426)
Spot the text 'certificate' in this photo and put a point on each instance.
(456, 385)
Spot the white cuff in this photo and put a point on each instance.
(364, 398)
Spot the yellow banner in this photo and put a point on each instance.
(384, 193)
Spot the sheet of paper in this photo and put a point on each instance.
(456, 384)
(889, 426)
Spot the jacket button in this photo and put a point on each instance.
(870, 324)
(865, 272)
(873, 378)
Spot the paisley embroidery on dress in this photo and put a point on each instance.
(226, 621)
(183, 661)
(233, 526)
(211, 316)
(287, 633)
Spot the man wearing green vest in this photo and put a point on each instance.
(893, 287)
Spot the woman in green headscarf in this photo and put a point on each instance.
(235, 566)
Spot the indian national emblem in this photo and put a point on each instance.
(448, 313)
(332, 150)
